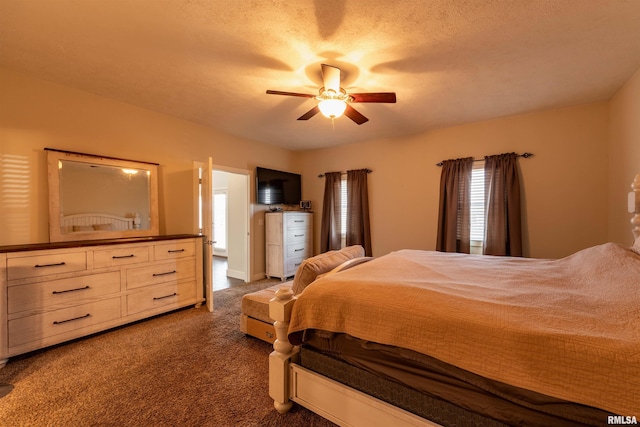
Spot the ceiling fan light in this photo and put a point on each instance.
(332, 108)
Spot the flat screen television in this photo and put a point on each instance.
(277, 187)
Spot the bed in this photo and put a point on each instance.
(427, 338)
(90, 222)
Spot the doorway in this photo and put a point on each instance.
(230, 227)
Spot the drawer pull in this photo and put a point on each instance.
(298, 235)
(122, 256)
(297, 264)
(298, 250)
(175, 251)
(164, 274)
(70, 290)
(166, 296)
(298, 220)
(50, 265)
(71, 320)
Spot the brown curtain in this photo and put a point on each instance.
(330, 228)
(454, 222)
(503, 231)
(358, 227)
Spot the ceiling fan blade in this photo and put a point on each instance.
(306, 116)
(331, 78)
(389, 97)
(277, 92)
(354, 115)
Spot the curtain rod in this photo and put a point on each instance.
(525, 155)
(342, 173)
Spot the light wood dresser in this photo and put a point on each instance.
(56, 292)
(289, 241)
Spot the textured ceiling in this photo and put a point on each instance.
(210, 61)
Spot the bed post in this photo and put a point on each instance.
(634, 206)
(280, 310)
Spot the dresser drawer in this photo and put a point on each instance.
(42, 265)
(301, 250)
(120, 256)
(293, 264)
(298, 236)
(35, 328)
(62, 293)
(297, 221)
(161, 273)
(178, 249)
(177, 294)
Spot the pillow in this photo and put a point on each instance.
(82, 228)
(345, 266)
(636, 246)
(319, 264)
(102, 227)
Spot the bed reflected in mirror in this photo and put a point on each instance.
(94, 197)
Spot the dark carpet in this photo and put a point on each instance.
(186, 368)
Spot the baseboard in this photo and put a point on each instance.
(235, 274)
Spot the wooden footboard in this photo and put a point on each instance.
(284, 353)
(289, 382)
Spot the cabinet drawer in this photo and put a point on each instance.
(160, 273)
(43, 265)
(78, 318)
(178, 249)
(293, 264)
(298, 221)
(177, 294)
(301, 250)
(298, 236)
(56, 294)
(120, 256)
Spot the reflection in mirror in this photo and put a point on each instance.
(121, 192)
(93, 197)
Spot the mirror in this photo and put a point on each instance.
(94, 197)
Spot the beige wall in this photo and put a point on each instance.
(35, 114)
(624, 157)
(572, 194)
(565, 183)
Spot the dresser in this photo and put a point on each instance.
(289, 241)
(57, 292)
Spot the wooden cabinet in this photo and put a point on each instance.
(53, 293)
(289, 241)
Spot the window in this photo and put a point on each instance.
(477, 208)
(220, 221)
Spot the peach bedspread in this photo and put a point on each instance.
(568, 328)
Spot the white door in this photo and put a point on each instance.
(207, 231)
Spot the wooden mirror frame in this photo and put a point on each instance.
(56, 233)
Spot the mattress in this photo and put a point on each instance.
(436, 390)
(567, 328)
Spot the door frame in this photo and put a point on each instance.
(200, 182)
(247, 174)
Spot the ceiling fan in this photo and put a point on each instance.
(334, 100)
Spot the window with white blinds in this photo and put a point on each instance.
(477, 204)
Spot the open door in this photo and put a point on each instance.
(207, 231)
